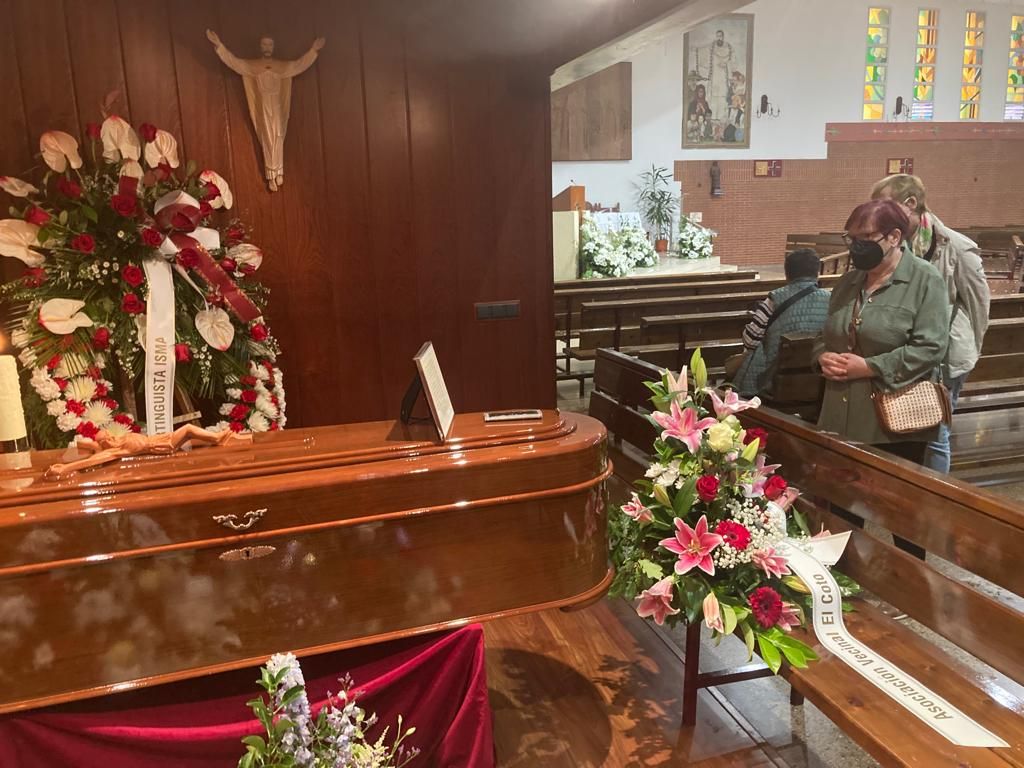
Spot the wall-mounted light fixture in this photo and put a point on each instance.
(716, 180)
(766, 109)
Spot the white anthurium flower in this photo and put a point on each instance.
(120, 141)
(16, 240)
(16, 187)
(162, 149)
(214, 325)
(59, 149)
(63, 316)
(226, 199)
(133, 169)
(246, 253)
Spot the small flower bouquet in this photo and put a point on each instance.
(335, 738)
(613, 254)
(700, 539)
(694, 241)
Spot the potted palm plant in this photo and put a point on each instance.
(658, 205)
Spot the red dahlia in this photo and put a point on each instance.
(736, 536)
(766, 604)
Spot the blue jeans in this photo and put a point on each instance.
(937, 456)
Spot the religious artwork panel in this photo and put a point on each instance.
(718, 58)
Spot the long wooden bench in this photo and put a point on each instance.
(981, 533)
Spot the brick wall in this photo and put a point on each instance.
(977, 182)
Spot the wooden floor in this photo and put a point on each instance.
(600, 687)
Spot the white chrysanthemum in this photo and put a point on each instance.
(234, 393)
(56, 407)
(226, 408)
(98, 413)
(114, 429)
(664, 475)
(259, 371)
(261, 388)
(82, 389)
(220, 426)
(68, 422)
(71, 364)
(266, 407)
(44, 385)
(258, 422)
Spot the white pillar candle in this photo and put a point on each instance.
(12, 415)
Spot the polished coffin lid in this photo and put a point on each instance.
(132, 574)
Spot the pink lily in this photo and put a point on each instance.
(732, 403)
(682, 424)
(790, 617)
(755, 488)
(713, 613)
(678, 387)
(693, 545)
(657, 602)
(636, 510)
(773, 564)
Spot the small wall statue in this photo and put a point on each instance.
(268, 90)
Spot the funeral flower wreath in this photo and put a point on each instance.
(96, 239)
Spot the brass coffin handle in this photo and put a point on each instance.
(249, 519)
(246, 553)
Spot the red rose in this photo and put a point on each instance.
(249, 396)
(151, 237)
(87, 429)
(100, 339)
(123, 418)
(69, 188)
(92, 130)
(735, 535)
(182, 353)
(75, 407)
(53, 362)
(37, 216)
(132, 275)
(248, 381)
(239, 412)
(237, 426)
(259, 332)
(84, 243)
(101, 389)
(758, 433)
(147, 131)
(124, 205)
(766, 605)
(210, 190)
(774, 487)
(132, 304)
(188, 258)
(228, 265)
(235, 234)
(34, 277)
(205, 209)
(707, 488)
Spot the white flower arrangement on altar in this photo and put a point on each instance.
(694, 241)
(334, 738)
(613, 254)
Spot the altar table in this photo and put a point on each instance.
(437, 683)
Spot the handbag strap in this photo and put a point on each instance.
(788, 303)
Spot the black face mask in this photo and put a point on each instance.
(866, 254)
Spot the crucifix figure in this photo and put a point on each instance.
(268, 90)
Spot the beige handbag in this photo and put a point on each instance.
(920, 406)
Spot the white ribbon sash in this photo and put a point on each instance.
(159, 348)
(909, 693)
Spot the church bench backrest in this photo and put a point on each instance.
(617, 282)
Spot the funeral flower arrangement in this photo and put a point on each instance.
(334, 738)
(103, 239)
(699, 540)
(694, 241)
(613, 254)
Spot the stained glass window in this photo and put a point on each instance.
(875, 71)
(1014, 109)
(970, 83)
(923, 105)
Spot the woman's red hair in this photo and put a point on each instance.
(881, 216)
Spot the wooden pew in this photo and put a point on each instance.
(982, 533)
(618, 282)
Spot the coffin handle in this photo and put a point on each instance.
(249, 519)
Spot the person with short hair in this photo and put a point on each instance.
(800, 306)
(956, 258)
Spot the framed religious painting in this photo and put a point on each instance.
(717, 64)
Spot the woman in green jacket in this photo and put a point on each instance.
(887, 327)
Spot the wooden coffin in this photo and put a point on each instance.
(132, 574)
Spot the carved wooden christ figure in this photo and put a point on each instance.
(268, 90)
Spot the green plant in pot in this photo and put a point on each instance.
(658, 204)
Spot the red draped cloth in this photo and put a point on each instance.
(436, 682)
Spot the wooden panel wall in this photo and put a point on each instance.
(592, 119)
(416, 182)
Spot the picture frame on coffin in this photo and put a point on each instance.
(430, 381)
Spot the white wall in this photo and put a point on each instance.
(809, 60)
